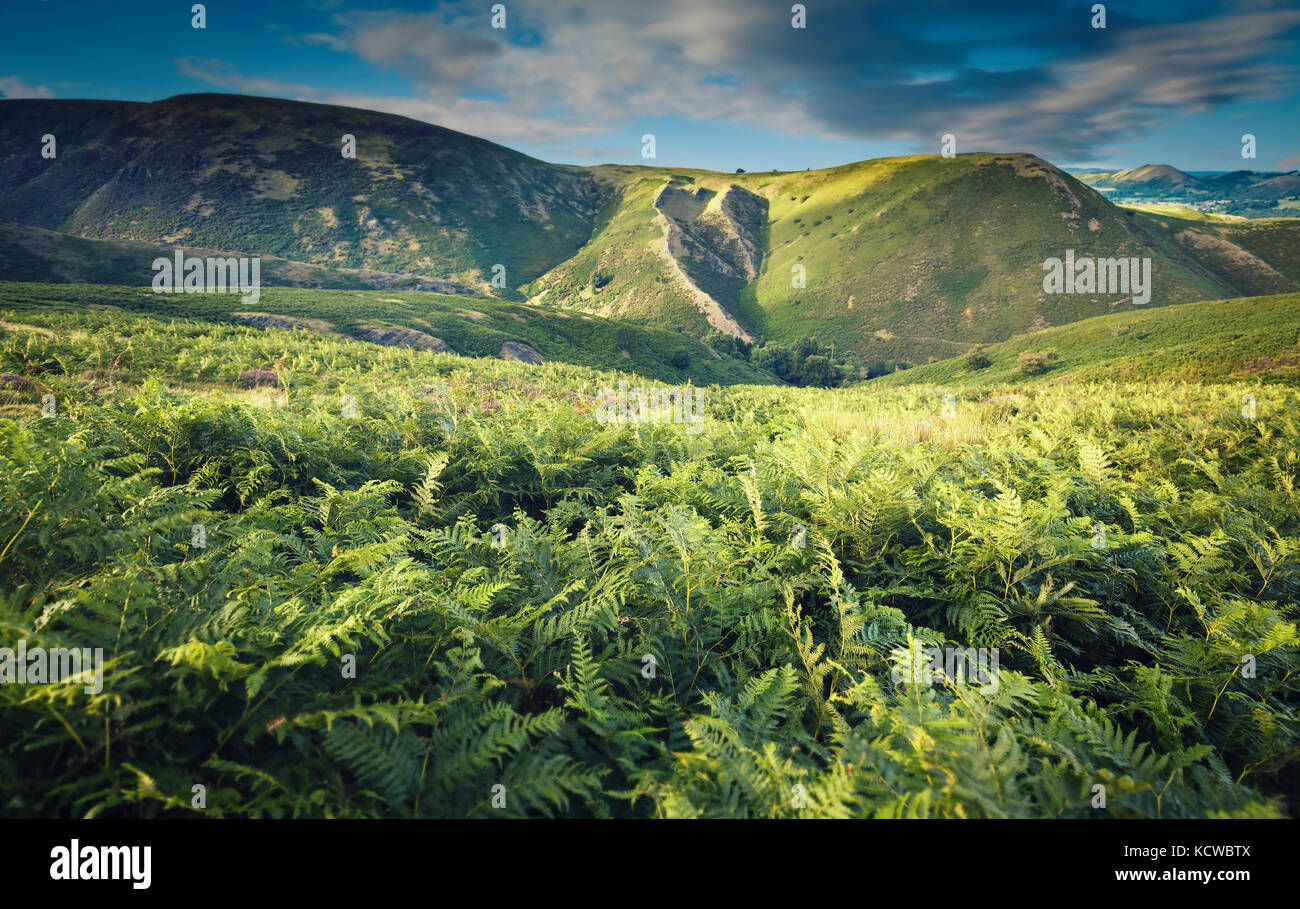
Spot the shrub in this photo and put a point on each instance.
(9, 380)
(252, 378)
(729, 345)
(1035, 364)
(977, 360)
(885, 367)
(806, 362)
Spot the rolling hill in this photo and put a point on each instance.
(915, 258)
(1240, 192)
(469, 326)
(1253, 339)
(266, 176)
(908, 258)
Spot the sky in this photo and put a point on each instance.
(721, 84)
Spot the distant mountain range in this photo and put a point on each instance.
(913, 258)
(1244, 193)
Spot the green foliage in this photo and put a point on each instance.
(1251, 340)
(1037, 362)
(644, 638)
(727, 344)
(805, 363)
(471, 326)
(886, 367)
(977, 360)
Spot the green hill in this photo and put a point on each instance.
(912, 258)
(267, 176)
(902, 258)
(1255, 339)
(469, 326)
(1259, 255)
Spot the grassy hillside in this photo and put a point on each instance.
(924, 254)
(1258, 255)
(471, 326)
(1256, 340)
(268, 176)
(912, 258)
(398, 584)
(905, 258)
(33, 254)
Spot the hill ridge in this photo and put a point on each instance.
(902, 258)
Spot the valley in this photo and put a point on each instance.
(914, 258)
(519, 489)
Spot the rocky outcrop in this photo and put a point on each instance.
(717, 232)
(391, 336)
(517, 350)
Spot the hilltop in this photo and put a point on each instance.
(1148, 174)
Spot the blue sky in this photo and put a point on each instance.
(720, 83)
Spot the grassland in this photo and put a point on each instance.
(471, 326)
(441, 586)
(1256, 340)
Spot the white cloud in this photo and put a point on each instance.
(13, 87)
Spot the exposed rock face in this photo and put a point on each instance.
(391, 336)
(517, 350)
(716, 232)
(736, 225)
(719, 231)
